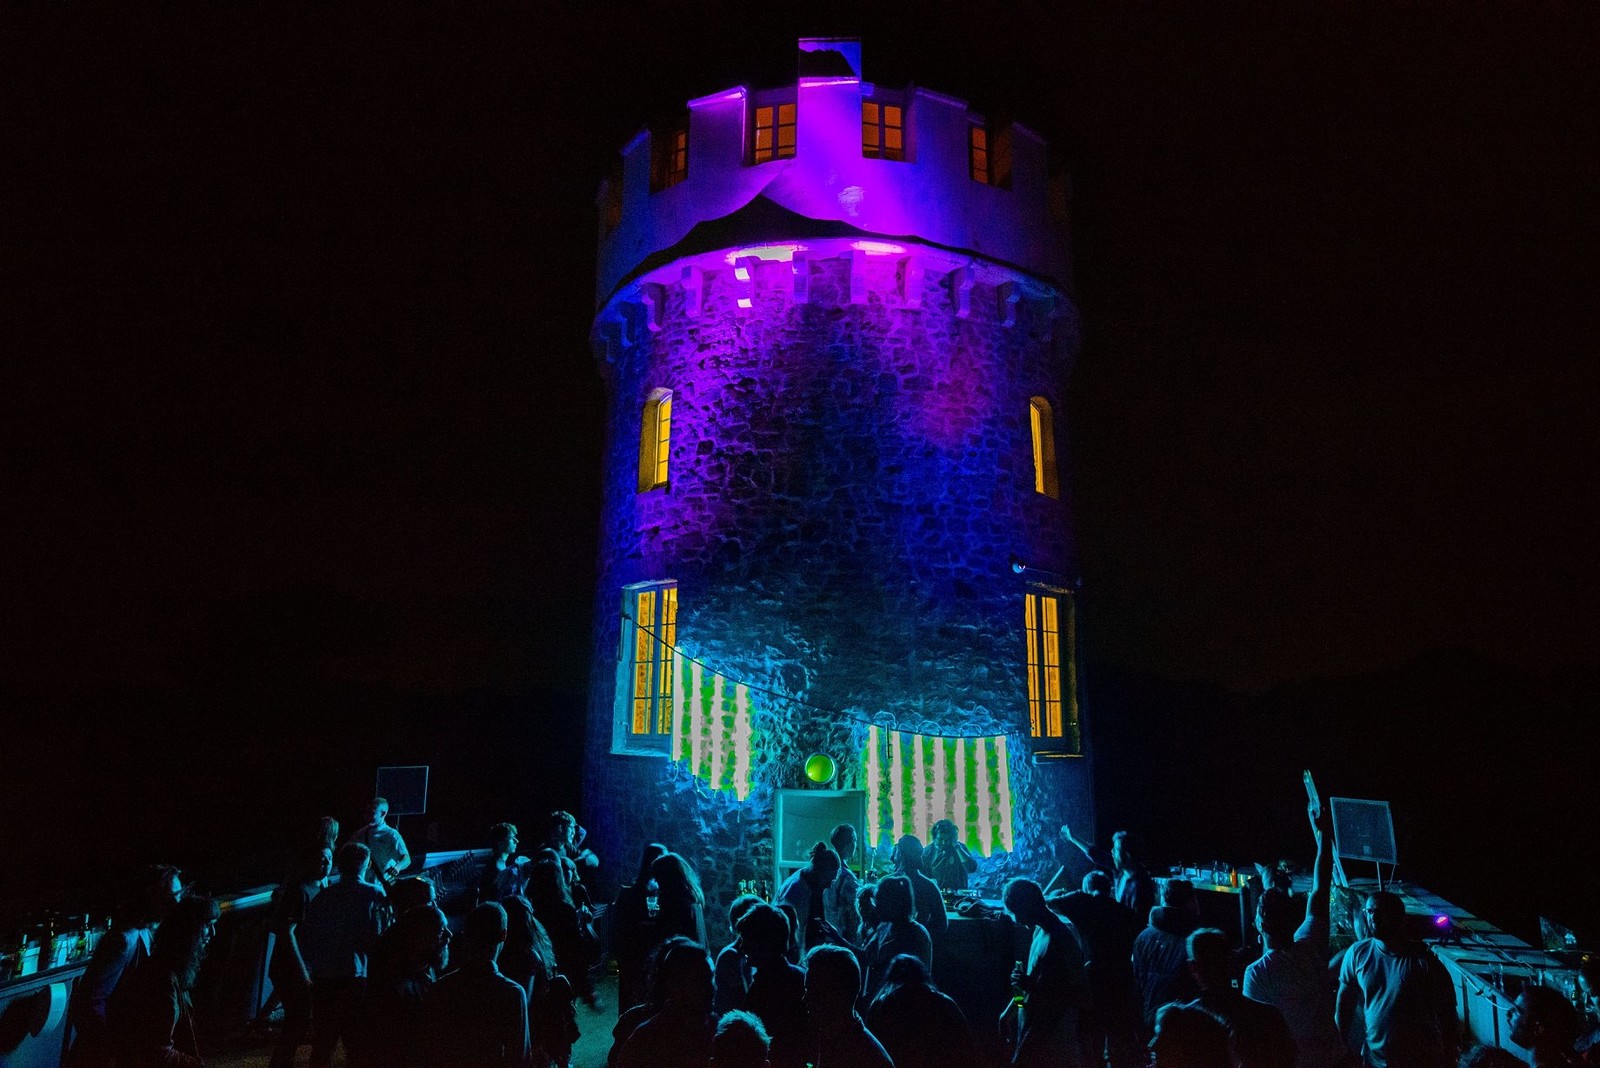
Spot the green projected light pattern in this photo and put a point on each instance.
(711, 727)
(915, 780)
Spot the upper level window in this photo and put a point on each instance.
(774, 133)
(989, 154)
(1052, 672)
(644, 693)
(669, 155)
(1044, 448)
(883, 134)
(655, 440)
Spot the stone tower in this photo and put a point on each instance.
(834, 324)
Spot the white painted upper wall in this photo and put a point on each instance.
(930, 197)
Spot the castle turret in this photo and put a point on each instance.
(834, 324)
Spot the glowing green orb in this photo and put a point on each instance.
(819, 768)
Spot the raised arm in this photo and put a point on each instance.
(1085, 848)
(1322, 871)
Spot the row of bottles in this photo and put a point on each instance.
(53, 943)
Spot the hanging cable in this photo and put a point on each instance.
(836, 713)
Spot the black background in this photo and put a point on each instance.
(302, 431)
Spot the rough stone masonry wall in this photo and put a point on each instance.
(848, 484)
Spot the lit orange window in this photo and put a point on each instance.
(989, 155)
(1045, 480)
(655, 440)
(1052, 699)
(653, 613)
(978, 153)
(669, 155)
(883, 134)
(774, 133)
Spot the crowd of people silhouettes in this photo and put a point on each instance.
(836, 971)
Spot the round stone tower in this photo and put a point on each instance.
(834, 323)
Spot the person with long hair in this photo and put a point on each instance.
(918, 1024)
(682, 903)
(897, 933)
(569, 935)
(151, 1016)
(529, 958)
(632, 930)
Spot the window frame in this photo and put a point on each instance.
(876, 128)
(995, 166)
(669, 154)
(646, 691)
(1050, 632)
(1042, 424)
(655, 441)
(776, 149)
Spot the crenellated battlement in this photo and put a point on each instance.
(832, 155)
(907, 279)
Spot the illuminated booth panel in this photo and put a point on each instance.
(915, 780)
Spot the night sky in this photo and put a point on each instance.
(302, 431)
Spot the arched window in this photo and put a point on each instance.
(655, 437)
(1044, 448)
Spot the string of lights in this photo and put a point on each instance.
(837, 713)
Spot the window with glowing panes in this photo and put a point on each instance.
(1052, 670)
(650, 633)
(774, 133)
(883, 134)
(655, 440)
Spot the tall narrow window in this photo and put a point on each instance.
(1044, 448)
(669, 155)
(978, 152)
(883, 134)
(989, 154)
(1052, 700)
(774, 133)
(650, 635)
(655, 440)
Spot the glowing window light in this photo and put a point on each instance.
(938, 798)
(774, 133)
(643, 659)
(878, 248)
(874, 776)
(669, 640)
(1042, 420)
(882, 131)
(655, 440)
(897, 785)
(1041, 618)
(745, 303)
